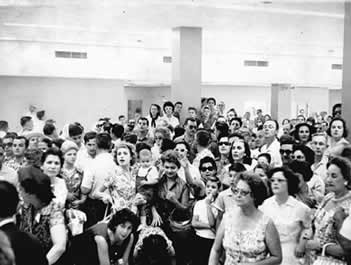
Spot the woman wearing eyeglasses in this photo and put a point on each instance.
(290, 216)
(247, 234)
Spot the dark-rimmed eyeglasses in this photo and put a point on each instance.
(282, 151)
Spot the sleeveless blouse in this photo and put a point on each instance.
(244, 245)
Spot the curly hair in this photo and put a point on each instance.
(122, 216)
(170, 156)
(130, 147)
(257, 186)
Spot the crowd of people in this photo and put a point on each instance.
(205, 187)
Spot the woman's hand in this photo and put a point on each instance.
(170, 196)
(156, 219)
(184, 162)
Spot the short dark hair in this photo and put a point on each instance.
(192, 108)
(11, 135)
(286, 139)
(54, 152)
(345, 132)
(49, 128)
(257, 186)
(40, 114)
(213, 99)
(238, 119)
(345, 168)
(303, 168)
(170, 156)
(122, 216)
(337, 105)
(75, 129)
(117, 130)
(88, 136)
(237, 167)
(144, 119)
(168, 104)
(178, 103)
(21, 137)
(47, 141)
(208, 159)
(308, 152)
(103, 141)
(9, 198)
(4, 125)
(167, 144)
(267, 156)
(189, 119)
(215, 180)
(34, 181)
(24, 120)
(203, 138)
(292, 179)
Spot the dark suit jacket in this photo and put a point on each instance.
(27, 249)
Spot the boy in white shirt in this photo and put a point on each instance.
(204, 222)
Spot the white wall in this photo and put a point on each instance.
(86, 100)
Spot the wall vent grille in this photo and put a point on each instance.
(69, 55)
(256, 63)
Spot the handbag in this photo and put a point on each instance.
(180, 221)
(324, 260)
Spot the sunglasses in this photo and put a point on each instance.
(241, 192)
(158, 138)
(207, 168)
(288, 152)
(297, 157)
(191, 127)
(223, 143)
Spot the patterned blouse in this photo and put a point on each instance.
(121, 187)
(40, 223)
(323, 219)
(247, 245)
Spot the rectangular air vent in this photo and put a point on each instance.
(167, 59)
(68, 54)
(336, 66)
(256, 63)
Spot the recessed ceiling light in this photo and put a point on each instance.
(267, 2)
(139, 41)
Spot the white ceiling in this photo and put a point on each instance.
(227, 24)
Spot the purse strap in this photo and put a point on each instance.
(325, 247)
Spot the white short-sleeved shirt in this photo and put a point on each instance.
(200, 209)
(8, 174)
(150, 173)
(225, 201)
(274, 151)
(100, 170)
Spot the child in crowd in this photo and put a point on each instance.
(204, 222)
(146, 179)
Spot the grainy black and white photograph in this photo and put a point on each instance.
(175, 132)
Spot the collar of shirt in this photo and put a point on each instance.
(289, 202)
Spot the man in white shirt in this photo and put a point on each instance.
(202, 141)
(86, 155)
(95, 176)
(272, 145)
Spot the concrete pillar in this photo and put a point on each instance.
(281, 101)
(346, 68)
(186, 67)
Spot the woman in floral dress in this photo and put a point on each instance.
(247, 235)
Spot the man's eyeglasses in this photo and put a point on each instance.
(192, 127)
(223, 143)
(207, 168)
(244, 193)
(282, 151)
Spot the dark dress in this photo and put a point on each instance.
(83, 249)
(27, 249)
